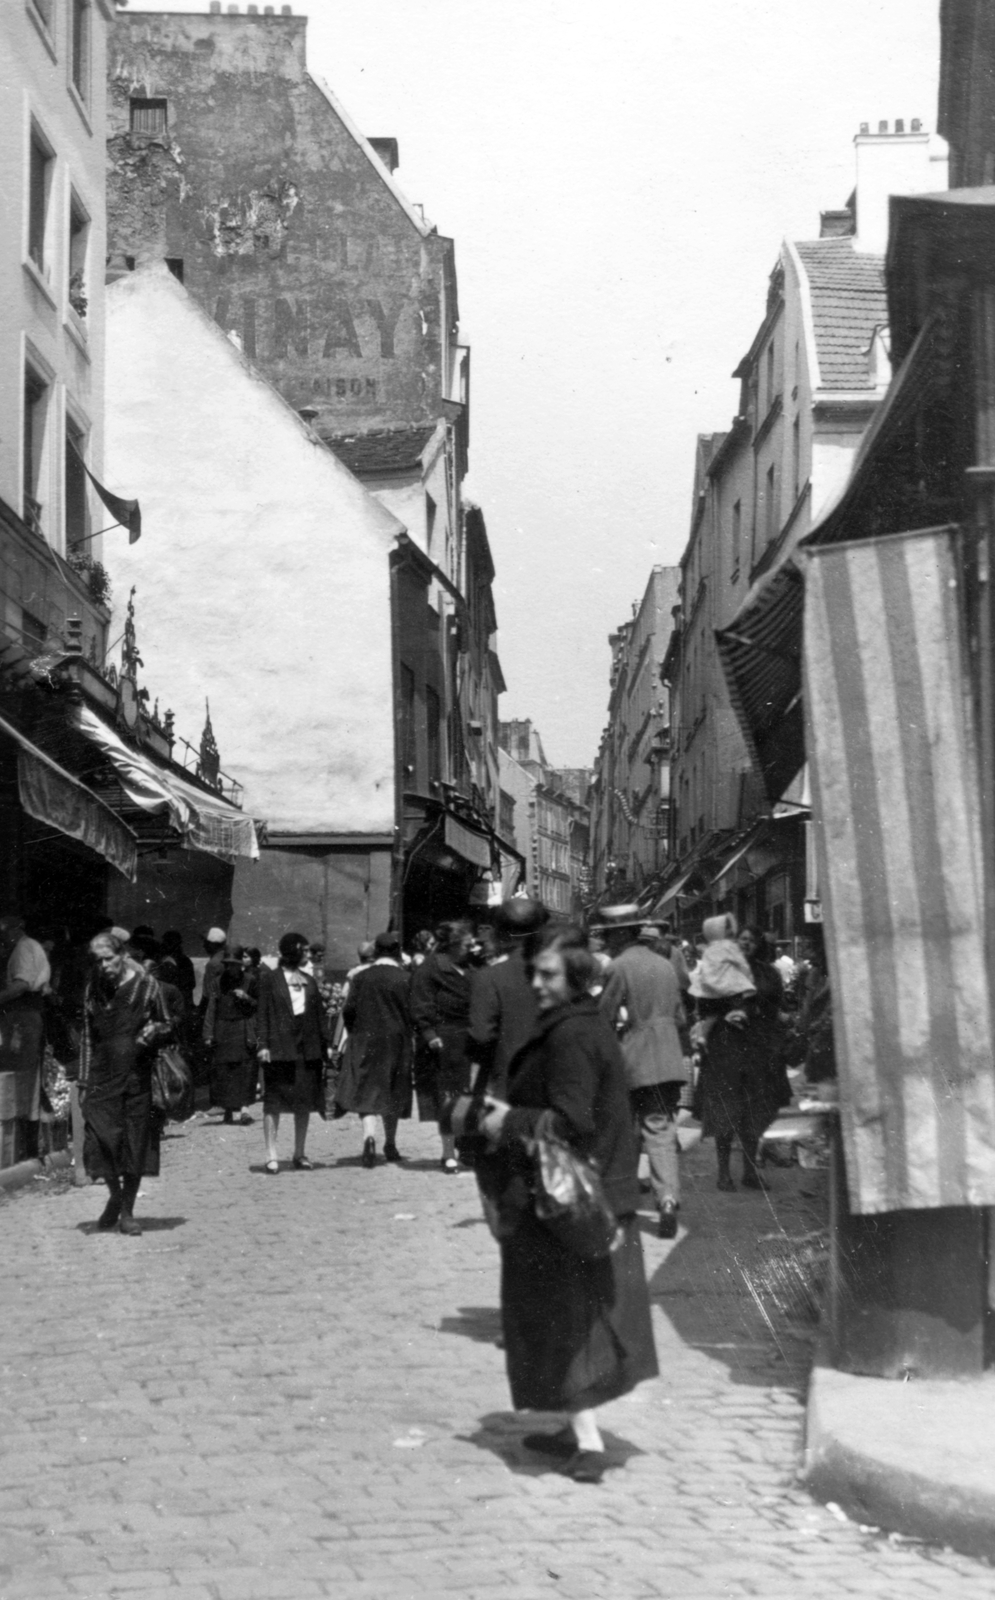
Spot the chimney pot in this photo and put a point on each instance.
(252, 11)
(899, 124)
(917, 125)
(267, 11)
(865, 127)
(882, 127)
(233, 11)
(285, 11)
(215, 8)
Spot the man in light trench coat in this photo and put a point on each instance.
(642, 999)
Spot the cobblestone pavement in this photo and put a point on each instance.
(289, 1387)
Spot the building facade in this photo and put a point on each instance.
(232, 164)
(551, 819)
(810, 383)
(630, 789)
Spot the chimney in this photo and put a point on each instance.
(837, 224)
(386, 149)
(897, 159)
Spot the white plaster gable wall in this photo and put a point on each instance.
(262, 571)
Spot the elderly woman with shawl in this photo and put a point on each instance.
(124, 1021)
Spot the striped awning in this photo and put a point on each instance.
(761, 648)
(898, 837)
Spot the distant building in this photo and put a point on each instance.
(551, 818)
(810, 383)
(630, 790)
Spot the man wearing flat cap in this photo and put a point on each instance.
(502, 1001)
(642, 999)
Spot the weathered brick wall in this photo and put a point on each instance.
(289, 233)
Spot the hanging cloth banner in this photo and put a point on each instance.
(896, 811)
(127, 512)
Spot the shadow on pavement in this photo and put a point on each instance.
(732, 1287)
(482, 1323)
(502, 1432)
(147, 1225)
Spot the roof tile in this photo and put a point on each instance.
(848, 303)
(383, 450)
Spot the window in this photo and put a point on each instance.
(430, 512)
(33, 631)
(796, 455)
(737, 534)
(35, 417)
(79, 235)
(77, 512)
(434, 717)
(148, 116)
(770, 375)
(771, 506)
(79, 46)
(408, 749)
(39, 192)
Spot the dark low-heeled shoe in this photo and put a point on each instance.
(753, 1180)
(369, 1157)
(392, 1153)
(302, 1164)
(587, 1466)
(668, 1220)
(129, 1226)
(726, 1185)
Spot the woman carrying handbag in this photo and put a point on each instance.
(576, 1327)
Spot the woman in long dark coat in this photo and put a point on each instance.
(743, 1080)
(124, 1021)
(293, 1041)
(440, 1005)
(230, 1029)
(376, 1072)
(577, 1332)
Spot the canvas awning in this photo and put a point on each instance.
(204, 822)
(53, 796)
(751, 859)
(761, 649)
(897, 808)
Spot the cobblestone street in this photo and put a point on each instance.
(290, 1387)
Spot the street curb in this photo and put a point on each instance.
(912, 1458)
(23, 1172)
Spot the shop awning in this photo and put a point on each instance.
(467, 842)
(761, 649)
(204, 822)
(667, 902)
(750, 860)
(53, 796)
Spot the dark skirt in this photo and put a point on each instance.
(444, 1074)
(577, 1333)
(376, 1076)
(293, 1086)
(743, 1083)
(233, 1083)
(121, 1128)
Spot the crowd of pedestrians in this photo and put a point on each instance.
(521, 1039)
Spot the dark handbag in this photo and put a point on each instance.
(172, 1084)
(568, 1196)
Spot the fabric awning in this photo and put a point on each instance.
(668, 900)
(761, 649)
(901, 866)
(53, 796)
(751, 858)
(472, 846)
(204, 822)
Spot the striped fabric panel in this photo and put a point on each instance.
(896, 809)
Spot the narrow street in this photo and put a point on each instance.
(290, 1387)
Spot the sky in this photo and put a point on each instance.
(618, 176)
